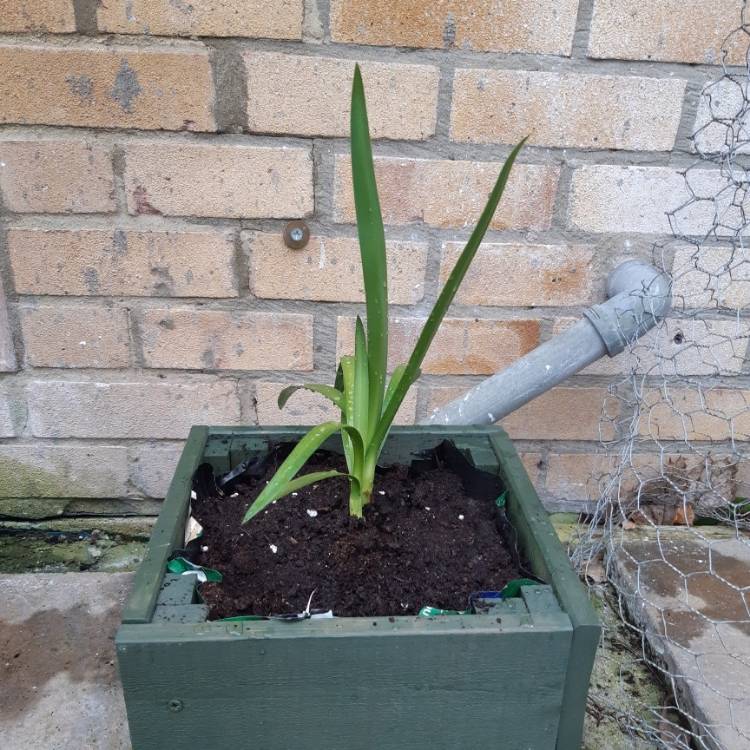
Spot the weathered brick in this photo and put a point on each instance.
(195, 263)
(520, 275)
(305, 408)
(452, 193)
(533, 463)
(516, 26)
(63, 471)
(461, 346)
(54, 16)
(8, 361)
(12, 413)
(188, 338)
(270, 19)
(696, 414)
(722, 119)
(230, 180)
(107, 87)
(578, 477)
(152, 467)
(691, 31)
(711, 277)
(689, 346)
(563, 413)
(82, 336)
(307, 95)
(143, 409)
(566, 109)
(329, 269)
(56, 177)
(636, 199)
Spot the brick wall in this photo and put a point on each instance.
(151, 152)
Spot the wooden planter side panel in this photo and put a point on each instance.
(168, 531)
(550, 561)
(349, 692)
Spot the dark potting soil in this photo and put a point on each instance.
(422, 541)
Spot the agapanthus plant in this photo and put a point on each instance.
(367, 403)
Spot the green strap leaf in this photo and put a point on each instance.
(331, 393)
(360, 416)
(443, 302)
(398, 374)
(345, 382)
(297, 484)
(395, 382)
(290, 466)
(371, 247)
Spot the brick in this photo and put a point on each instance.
(711, 277)
(696, 414)
(152, 468)
(270, 19)
(12, 413)
(234, 181)
(689, 346)
(306, 408)
(722, 118)
(520, 275)
(189, 338)
(8, 361)
(145, 409)
(566, 110)
(637, 199)
(63, 471)
(460, 347)
(534, 464)
(307, 95)
(329, 269)
(107, 87)
(563, 413)
(452, 193)
(56, 177)
(578, 477)
(53, 16)
(516, 26)
(195, 263)
(690, 31)
(55, 336)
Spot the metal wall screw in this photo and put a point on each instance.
(176, 705)
(296, 234)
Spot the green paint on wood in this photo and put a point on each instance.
(549, 561)
(351, 683)
(168, 533)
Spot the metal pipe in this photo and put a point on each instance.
(639, 295)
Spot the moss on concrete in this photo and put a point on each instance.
(32, 507)
(112, 545)
(28, 480)
(622, 686)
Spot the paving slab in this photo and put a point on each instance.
(689, 592)
(59, 688)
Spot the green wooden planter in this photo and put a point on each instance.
(513, 679)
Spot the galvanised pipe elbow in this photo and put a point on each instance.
(639, 296)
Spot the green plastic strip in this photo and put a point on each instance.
(513, 588)
(500, 502)
(181, 566)
(242, 618)
(435, 612)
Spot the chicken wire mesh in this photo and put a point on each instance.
(670, 530)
